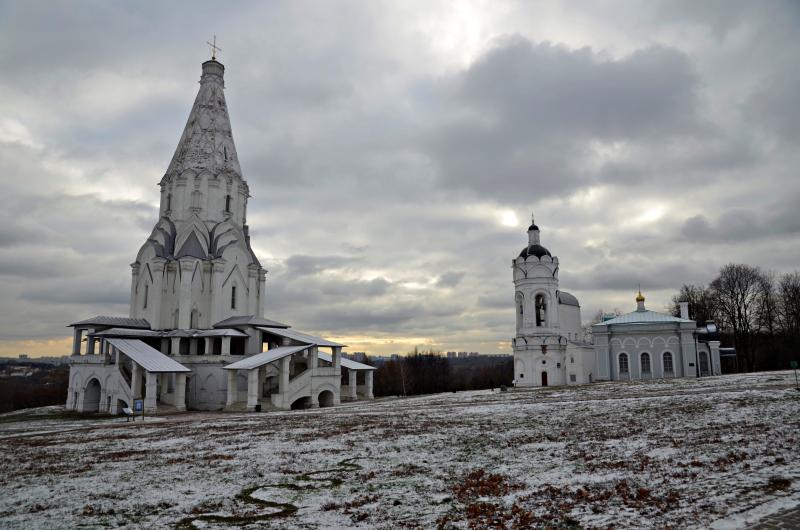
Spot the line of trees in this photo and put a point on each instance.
(758, 312)
(430, 372)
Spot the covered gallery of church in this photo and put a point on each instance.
(550, 347)
(196, 337)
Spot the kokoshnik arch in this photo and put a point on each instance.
(196, 336)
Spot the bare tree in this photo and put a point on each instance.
(702, 303)
(789, 304)
(737, 292)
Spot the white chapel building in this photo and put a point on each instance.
(196, 336)
(550, 348)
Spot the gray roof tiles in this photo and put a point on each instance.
(643, 317)
(249, 320)
(119, 322)
(147, 357)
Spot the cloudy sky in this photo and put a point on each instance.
(395, 151)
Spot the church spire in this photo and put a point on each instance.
(207, 140)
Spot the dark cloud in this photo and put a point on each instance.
(450, 279)
(525, 115)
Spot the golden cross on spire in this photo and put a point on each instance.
(532, 222)
(214, 48)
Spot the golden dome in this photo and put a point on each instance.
(640, 296)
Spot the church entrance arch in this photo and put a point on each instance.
(325, 398)
(544, 378)
(91, 396)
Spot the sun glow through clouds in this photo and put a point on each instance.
(509, 218)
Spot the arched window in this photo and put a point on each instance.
(197, 199)
(645, 363)
(623, 363)
(169, 201)
(520, 298)
(227, 204)
(233, 297)
(541, 311)
(668, 368)
(193, 318)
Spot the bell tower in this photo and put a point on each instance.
(536, 287)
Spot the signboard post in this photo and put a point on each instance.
(138, 406)
(793, 364)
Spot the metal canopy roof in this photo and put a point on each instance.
(148, 358)
(126, 332)
(347, 363)
(249, 320)
(220, 333)
(185, 333)
(301, 337)
(121, 322)
(269, 356)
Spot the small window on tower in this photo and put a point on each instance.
(572, 378)
(228, 203)
(169, 201)
(233, 297)
(146, 292)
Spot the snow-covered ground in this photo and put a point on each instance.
(719, 452)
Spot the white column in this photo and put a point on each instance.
(352, 383)
(89, 342)
(180, 391)
(337, 359)
(79, 403)
(232, 391)
(156, 291)
(150, 396)
(368, 384)
(185, 299)
(165, 345)
(134, 281)
(76, 341)
(226, 345)
(313, 359)
(136, 381)
(252, 389)
(716, 363)
(283, 378)
(193, 346)
(252, 290)
(217, 297)
(262, 295)
(209, 345)
(176, 345)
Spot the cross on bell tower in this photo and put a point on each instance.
(214, 48)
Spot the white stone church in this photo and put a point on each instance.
(196, 337)
(550, 347)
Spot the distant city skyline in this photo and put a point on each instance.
(395, 151)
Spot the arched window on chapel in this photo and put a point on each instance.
(623, 363)
(645, 363)
(668, 366)
(520, 299)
